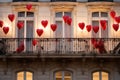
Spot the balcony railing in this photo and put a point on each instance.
(60, 46)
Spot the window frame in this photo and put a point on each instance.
(100, 71)
(63, 74)
(25, 19)
(25, 71)
(99, 33)
(60, 19)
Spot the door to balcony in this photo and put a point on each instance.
(25, 34)
(63, 32)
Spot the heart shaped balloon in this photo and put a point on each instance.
(95, 44)
(53, 27)
(116, 27)
(69, 21)
(101, 43)
(44, 23)
(39, 32)
(20, 48)
(117, 19)
(11, 17)
(81, 25)
(29, 6)
(34, 42)
(103, 24)
(20, 25)
(1, 23)
(88, 27)
(112, 14)
(95, 29)
(5, 30)
(65, 17)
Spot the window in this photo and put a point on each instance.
(25, 0)
(100, 0)
(100, 75)
(63, 0)
(63, 75)
(24, 75)
(27, 31)
(63, 29)
(96, 17)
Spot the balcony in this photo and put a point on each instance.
(60, 47)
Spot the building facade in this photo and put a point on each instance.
(59, 40)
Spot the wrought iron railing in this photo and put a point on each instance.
(60, 46)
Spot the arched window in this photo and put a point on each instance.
(63, 75)
(24, 75)
(100, 75)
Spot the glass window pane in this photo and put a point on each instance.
(29, 29)
(21, 31)
(59, 30)
(67, 75)
(29, 34)
(67, 13)
(104, 76)
(58, 14)
(104, 33)
(95, 14)
(30, 14)
(95, 23)
(96, 76)
(58, 75)
(104, 14)
(21, 14)
(20, 76)
(29, 76)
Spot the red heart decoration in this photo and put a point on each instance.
(116, 27)
(39, 32)
(112, 14)
(1, 23)
(96, 45)
(93, 40)
(101, 44)
(20, 48)
(11, 17)
(44, 23)
(29, 6)
(20, 25)
(5, 30)
(81, 25)
(34, 42)
(53, 27)
(65, 17)
(117, 19)
(95, 29)
(69, 21)
(88, 27)
(103, 24)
